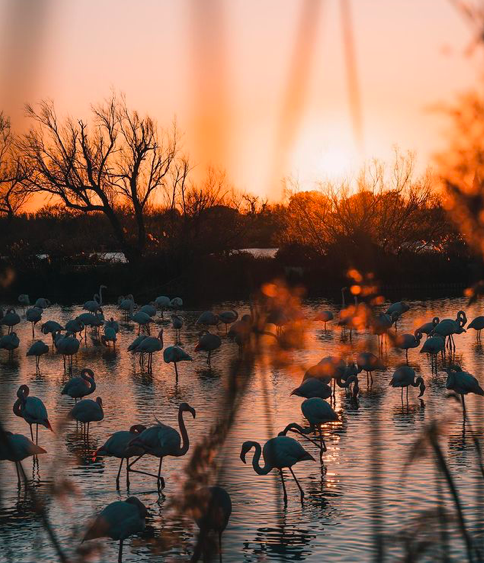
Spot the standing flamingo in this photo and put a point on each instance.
(407, 341)
(163, 303)
(163, 440)
(368, 362)
(173, 355)
(95, 305)
(32, 410)
(87, 411)
(317, 412)
(279, 452)
(17, 447)
(38, 349)
(477, 324)
(404, 376)
(33, 315)
(462, 383)
(79, 387)
(208, 342)
(10, 319)
(150, 345)
(118, 521)
(228, 318)
(118, 445)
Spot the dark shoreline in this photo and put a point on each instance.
(210, 281)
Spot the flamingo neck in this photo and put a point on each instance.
(183, 431)
(256, 459)
(101, 295)
(17, 407)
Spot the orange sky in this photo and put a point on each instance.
(224, 68)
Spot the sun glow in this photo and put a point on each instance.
(337, 163)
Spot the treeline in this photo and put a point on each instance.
(120, 183)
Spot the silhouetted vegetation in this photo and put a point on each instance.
(120, 184)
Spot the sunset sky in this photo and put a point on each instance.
(228, 71)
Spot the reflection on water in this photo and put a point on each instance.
(337, 520)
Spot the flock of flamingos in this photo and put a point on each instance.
(121, 519)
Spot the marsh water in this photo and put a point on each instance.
(362, 502)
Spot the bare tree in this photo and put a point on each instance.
(13, 172)
(118, 162)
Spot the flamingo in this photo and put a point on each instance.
(161, 441)
(396, 310)
(51, 327)
(208, 342)
(112, 324)
(404, 376)
(176, 304)
(17, 447)
(477, 324)
(366, 361)
(95, 305)
(207, 318)
(118, 521)
(317, 412)
(433, 345)
(240, 331)
(462, 383)
(313, 387)
(407, 341)
(173, 355)
(448, 327)
(24, 299)
(150, 345)
(328, 369)
(214, 507)
(163, 303)
(324, 317)
(177, 323)
(42, 303)
(94, 320)
(382, 324)
(68, 346)
(141, 319)
(79, 387)
(87, 411)
(118, 445)
(279, 452)
(74, 326)
(33, 315)
(32, 410)
(9, 342)
(126, 304)
(228, 318)
(109, 335)
(427, 328)
(149, 309)
(10, 319)
(38, 349)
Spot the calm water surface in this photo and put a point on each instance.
(338, 518)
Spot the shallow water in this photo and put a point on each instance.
(361, 493)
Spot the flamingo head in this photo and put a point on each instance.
(23, 391)
(185, 407)
(246, 447)
(87, 372)
(137, 428)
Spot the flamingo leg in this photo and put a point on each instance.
(119, 473)
(283, 487)
(463, 406)
(37, 434)
(176, 372)
(120, 554)
(31, 433)
(297, 483)
(127, 473)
